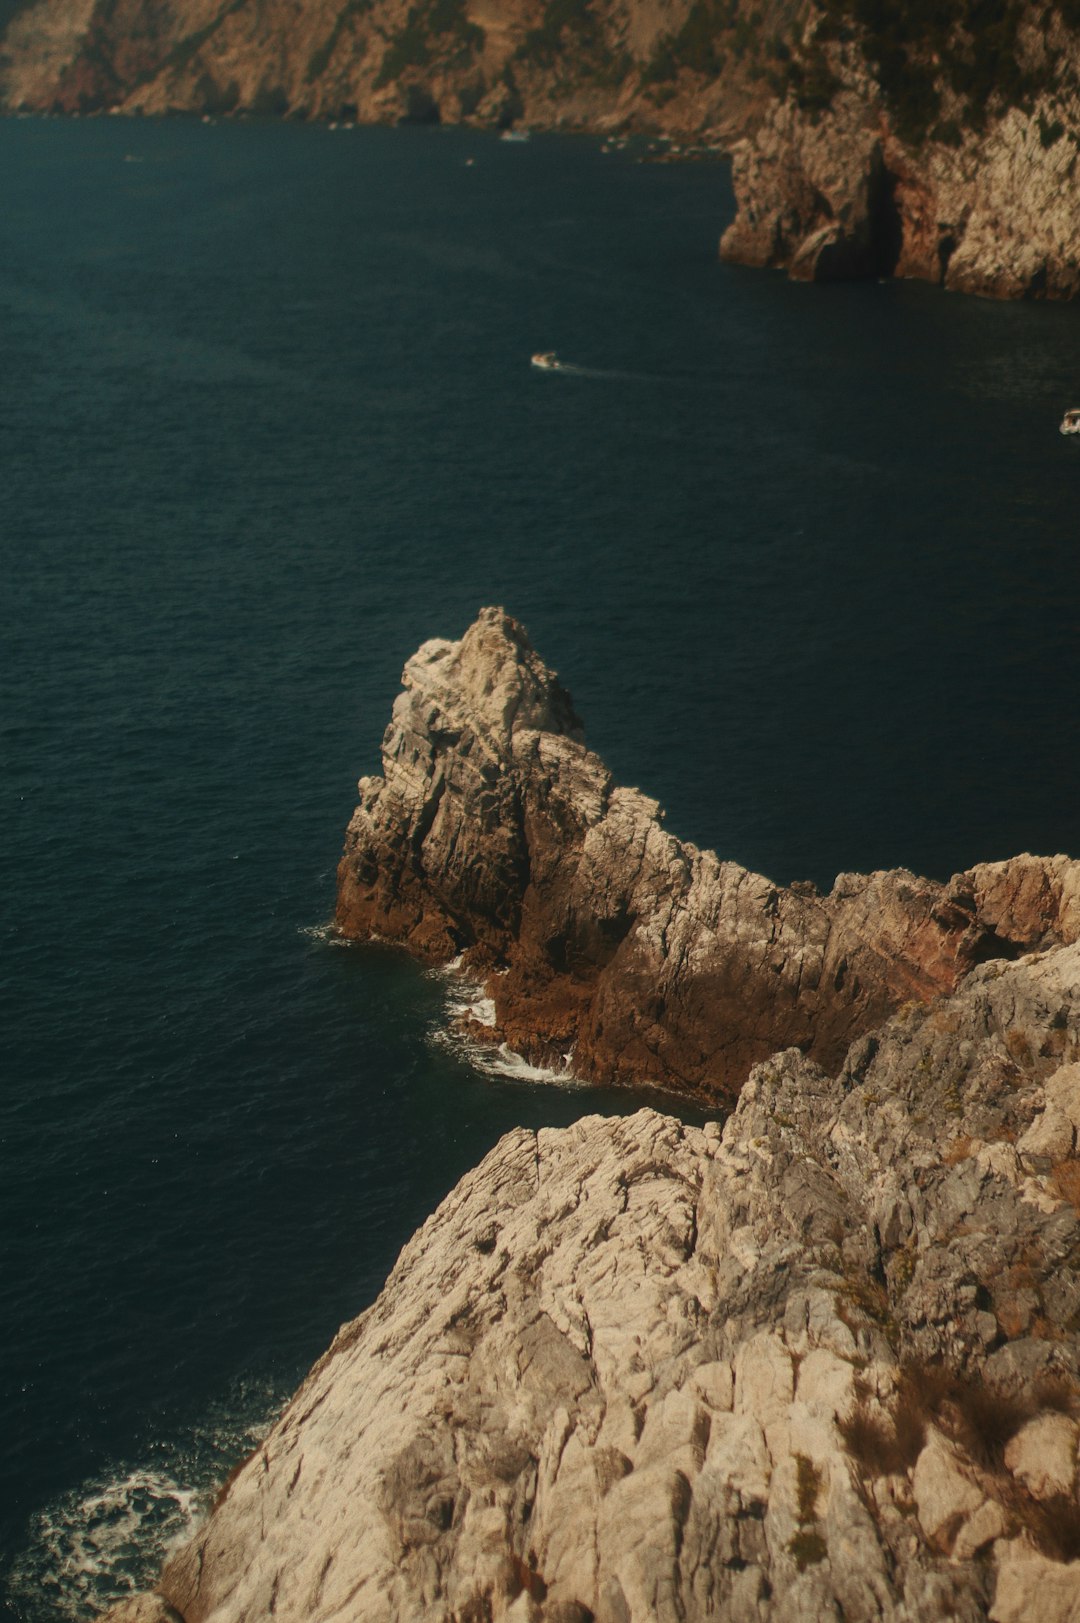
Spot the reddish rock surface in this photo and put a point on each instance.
(495, 833)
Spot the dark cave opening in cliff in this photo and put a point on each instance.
(886, 226)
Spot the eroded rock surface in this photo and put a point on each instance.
(495, 832)
(454, 61)
(821, 1364)
(979, 204)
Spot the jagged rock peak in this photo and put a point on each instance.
(492, 681)
(494, 832)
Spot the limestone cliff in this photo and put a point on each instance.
(659, 64)
(822, 1364)
(939, 144)
(496, 833)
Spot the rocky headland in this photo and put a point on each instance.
(818, 1361)
(940, 150)
(495, 835)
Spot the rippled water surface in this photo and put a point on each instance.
(805, 556)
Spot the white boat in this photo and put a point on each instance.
(514, 135)
(547, 360)
(1070, 423)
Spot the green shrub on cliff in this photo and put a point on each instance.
(319, 60)
(431, 31)
(921, 49)
(713, 31)
(570, 32)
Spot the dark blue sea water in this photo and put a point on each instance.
(807, 558)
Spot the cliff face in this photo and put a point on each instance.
(843, 196)
(822, 1364)
(940, 146)
(582, 63)
(496, 833)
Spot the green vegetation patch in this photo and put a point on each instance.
(439, 29)
(917, 50)
(569, 29)
(319, 60)
(9, 10)
(713, 31)
(807, 1548)
(191, 44)
(807, 1487)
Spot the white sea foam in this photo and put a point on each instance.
(467, 1005)
(470, 1002)
(107, 1538)
(325, 934)
(100, 1542)
(502, 1061)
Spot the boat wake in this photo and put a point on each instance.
(573, 370)
(608, 372)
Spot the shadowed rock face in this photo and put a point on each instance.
(496, 833)
(837, 193)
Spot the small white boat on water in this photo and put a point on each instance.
(1070, 423)
(548, 361)
(514, 135)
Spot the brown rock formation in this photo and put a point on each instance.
(496, 833)
(928, 178)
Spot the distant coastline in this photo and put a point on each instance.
(861, 148)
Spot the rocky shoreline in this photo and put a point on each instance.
(819, 1362)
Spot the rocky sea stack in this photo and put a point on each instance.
(495, 833)
(821, 1361)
